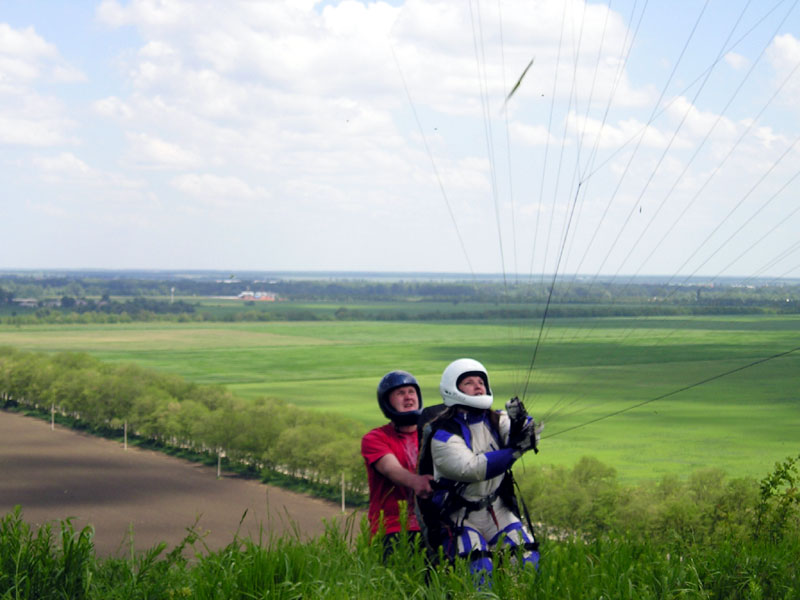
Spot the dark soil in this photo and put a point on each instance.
(139, 497)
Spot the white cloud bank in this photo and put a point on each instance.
(370, 127)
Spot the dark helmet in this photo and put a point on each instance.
(391, 381)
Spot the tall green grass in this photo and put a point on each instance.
(744, 547)
(342, 564)
(38, 563)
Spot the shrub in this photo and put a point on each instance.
(778, 510)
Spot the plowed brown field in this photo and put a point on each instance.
(62, 473)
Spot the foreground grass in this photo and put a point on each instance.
(44, 564)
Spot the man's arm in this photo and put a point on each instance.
(390, 467)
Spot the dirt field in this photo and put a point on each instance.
(62, 473)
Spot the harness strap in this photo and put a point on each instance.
(471, 505)
(533, 546)
(494, 517)
(477, 554)
(525, 512)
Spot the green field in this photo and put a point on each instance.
(585, 369)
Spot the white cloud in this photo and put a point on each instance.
(784, 52)
(25, 56)
(736, 61)
(15, 69)
(25, 45)
(784, 56)
(65, 164)
(151, 13)
(217, 190)
(65, 73)
(112, 107)
(531, 135)
(241, 111)
(624, 133)
(697, 123)
(52, 210)
(68, 169)
(29, 117)
(151, 151)
(44, 131)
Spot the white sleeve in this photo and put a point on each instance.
(453, 459)
(504, 425)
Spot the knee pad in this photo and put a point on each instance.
(482, 565)
(470, 540)
(531, 558)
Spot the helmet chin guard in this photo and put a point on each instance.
(391, 381)
(454, 372)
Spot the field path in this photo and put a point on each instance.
(64, 473)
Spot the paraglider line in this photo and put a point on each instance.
(674, 392)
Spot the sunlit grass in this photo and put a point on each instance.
(585, 369)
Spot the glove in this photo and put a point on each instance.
(526, 438)
(537, 435)
(524, 433)
(517, 415)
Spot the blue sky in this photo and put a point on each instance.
(302, 135)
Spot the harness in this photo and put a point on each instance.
(433, 514)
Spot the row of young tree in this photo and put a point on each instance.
(265, 435)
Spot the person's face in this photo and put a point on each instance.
(404, 399)
(472, 385)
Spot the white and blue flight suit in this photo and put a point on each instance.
(477, 456)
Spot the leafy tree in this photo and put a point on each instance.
(19, 382)
(262, 424)
(123, 393)
(150, 413)
(188, 421)
(8, 358)
(339, 455)
(211, 396)
(778, 510)
(294, 447)
(222, 424)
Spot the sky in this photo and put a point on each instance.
(644, 138)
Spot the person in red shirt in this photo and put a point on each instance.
(390, 454)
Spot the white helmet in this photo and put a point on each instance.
(454, 373)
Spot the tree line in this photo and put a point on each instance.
(264, 436)
(565, 291)
(136, 311)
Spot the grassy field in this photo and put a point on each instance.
(585, 369)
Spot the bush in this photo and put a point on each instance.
(587, 500)
(778, 510)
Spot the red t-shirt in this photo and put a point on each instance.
(383, 492)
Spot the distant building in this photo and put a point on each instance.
(263, 296)
(26, 302)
